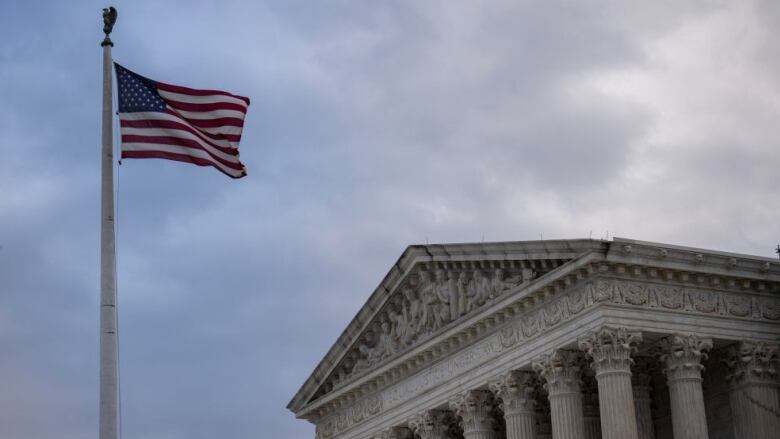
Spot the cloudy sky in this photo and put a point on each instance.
(373, 125)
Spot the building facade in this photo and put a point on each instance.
(562, 339)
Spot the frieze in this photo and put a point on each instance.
(543, 318)
(686, 299)
(444, 371)
(349, 417)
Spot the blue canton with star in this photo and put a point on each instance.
(137, 93)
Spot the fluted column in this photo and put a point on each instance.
(681, 356)
(753, 390)
(611, 349)
(475, 408)
(561, 373)
(640, 380)
(516, 391)
(431, 424)
(590, 407)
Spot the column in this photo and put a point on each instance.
(641, 382)
(681, 357)
(475, 408)
(517, 394)
(753, 389)
(431, 424)
(590, 407)
(611, 349)
(561, 373)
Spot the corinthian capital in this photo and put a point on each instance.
(431, 424)
(516, 391)
(560, 370)
(752, 362)
(682, 355)
(475, 408)
(610, 348)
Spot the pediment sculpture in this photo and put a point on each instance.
(427, 303)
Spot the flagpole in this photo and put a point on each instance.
(109, 376)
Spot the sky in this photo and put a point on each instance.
(373, 126)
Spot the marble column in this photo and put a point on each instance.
(516, 391)
(590, 407)
(611, 349)
(641, 381)
(681, 357)
(753, 389)
(475, 408)
(561, 373)
(431, 424)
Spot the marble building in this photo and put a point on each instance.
(562, 339)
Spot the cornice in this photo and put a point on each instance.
(671, 257)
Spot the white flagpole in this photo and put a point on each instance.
(109, 382)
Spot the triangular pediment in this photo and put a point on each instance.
(428, 291)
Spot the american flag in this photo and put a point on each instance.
(159, 120)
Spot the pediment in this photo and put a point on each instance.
(427, 292)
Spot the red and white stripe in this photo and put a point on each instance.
(202, 127)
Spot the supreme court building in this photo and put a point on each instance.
(562, 339)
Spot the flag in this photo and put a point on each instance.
(159, 120)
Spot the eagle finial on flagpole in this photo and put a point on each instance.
(109, 18)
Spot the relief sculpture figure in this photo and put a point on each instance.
(499, 284)
(464, 294)
(481, 287)
(364, 360)
(411, 316)
(428, 319)
(426, 306)
(447, 294)
(385, 347)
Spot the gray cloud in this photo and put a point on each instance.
(372, 126)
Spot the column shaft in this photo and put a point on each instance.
(616, 406)
(687, 404)
(516, 390)
(561, 372)
(521, 426)
(567, 419)
(611, 350)
(754, 395)
(682, 357)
